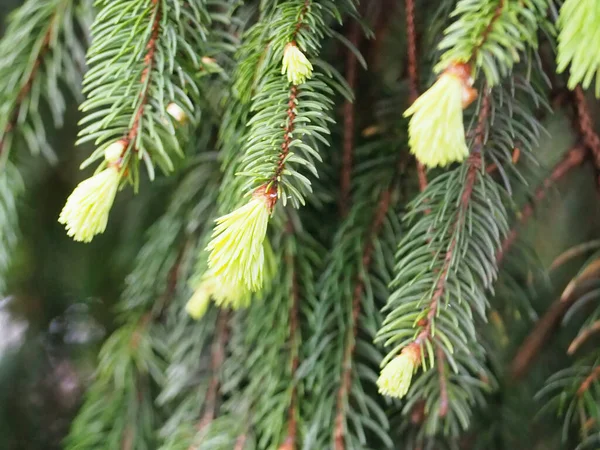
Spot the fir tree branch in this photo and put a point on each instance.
(413, 73)
(590, 379)
(136, 72)
(572, 159)
(34, 69)
(586, 128)
(545, 326)
(346, 378)
(582, 337)
(349, 119)
(216, 362)
(290, 442)
(484, 36)
(146, 77)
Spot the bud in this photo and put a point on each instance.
(436, 130)
(295, 64)
(86, 211)
(177, 113)
(396, 376)
(197, 305)
(237, 255)
(114, 152)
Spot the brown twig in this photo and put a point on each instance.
(413, 73)
(346, 378)
(583, 336)
(145, 80)
(217, 358)
(593, 376)
(349, 119)
(573, 158)
(488, 30)
(288, 131)
(586, 127)
(290, 441)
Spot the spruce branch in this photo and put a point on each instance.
(413, 73)
(573, 158)
(217, 359)
(352, 288)
(586, 127)
(291, 440)
(491, 35)
(354, 39)
(46, 61)
(340, 432)
(136, 73)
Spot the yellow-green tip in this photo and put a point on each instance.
(436, 130)
(395, 378)
(86, 211)
(198, 304)
(577, 24)
(237, 255)
(295, 64)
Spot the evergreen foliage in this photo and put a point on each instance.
(332, 252)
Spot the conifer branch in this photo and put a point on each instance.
(490, 26)
(586, 128)
(146, 77)
(582, 337)
(413, 73)
(34, 69)
(346, 377)
(572, 159)
(590, 379)
(294, 341)
(216, 362)
(349, 119)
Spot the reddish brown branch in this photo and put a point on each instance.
(146, 74)
(413, 73)
(288, 131)
(26, 88)
(349, 119)
(586, 127)
(290, 441)
(592, 377)
(346, 378)
(301, 16)
(583, 336)
(487, 30)
(217, 358)
(573, 158)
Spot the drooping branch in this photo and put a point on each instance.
(583, 336)
(586, 127)
(146, 77)
(591, 378)
(544, 327)
(488, 30)
(573, 158)
(217, 358)
(290, 442)
(346, 378)
(413, 73)
(349, 119)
